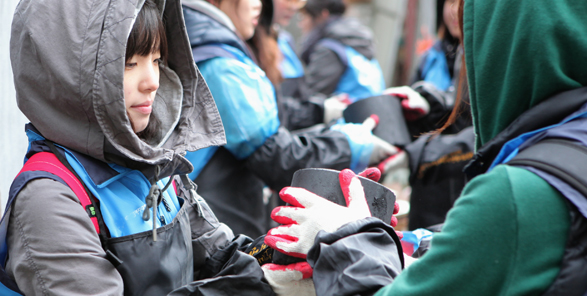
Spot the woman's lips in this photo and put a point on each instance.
(144, 108)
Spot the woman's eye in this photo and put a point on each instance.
(130, 65)
(158, 61)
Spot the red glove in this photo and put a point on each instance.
(311, 213)
(290, 280)
(413, 104)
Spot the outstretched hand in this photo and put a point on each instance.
(310, 213)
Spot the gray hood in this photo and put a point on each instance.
(68, 59)
(348, 31)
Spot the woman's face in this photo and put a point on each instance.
(284, 10)
(141, 81)
(244, 14)
(451, 19)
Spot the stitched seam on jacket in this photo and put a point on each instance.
(29, 256)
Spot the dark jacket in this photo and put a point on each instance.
(233, 186)
(324, 67)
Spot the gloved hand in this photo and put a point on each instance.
(381, 148)
(311, 213)
(334, 106)
(395, 162)
(413, 104)
(366, 148)
(290, 280)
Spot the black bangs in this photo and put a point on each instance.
(148, 33)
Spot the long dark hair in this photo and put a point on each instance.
(264, 46)
(147, 36)
(463, 88)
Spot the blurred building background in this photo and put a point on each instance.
(13, 142)
(403, 30)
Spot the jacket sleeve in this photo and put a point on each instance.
(53, 246)
(220, 267)
(286, 152)
(299, 113)
(324, 71)
(358, 259)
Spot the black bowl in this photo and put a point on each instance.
(325, 183)
(392, 125)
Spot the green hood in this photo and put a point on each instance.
(519, 53)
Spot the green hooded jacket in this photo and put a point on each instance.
(506, 234)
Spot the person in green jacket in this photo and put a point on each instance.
(515, 230)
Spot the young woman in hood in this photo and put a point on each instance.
(112, 114)
(259, 152)
(516, 229)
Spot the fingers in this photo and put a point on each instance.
(371, 122)
(303, 267)
(353, 192)
(393, 222)
(285, 240)
(395, 208)
(298, 197)
(284, 214)
(396, 161)
(373, 174)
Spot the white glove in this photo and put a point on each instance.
(394, 163)
(311, 213)
(381, 148)
(334, 106)
(290, 280)
(413, 104)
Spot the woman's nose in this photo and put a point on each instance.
(150, 81)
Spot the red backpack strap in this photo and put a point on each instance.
(48, 162)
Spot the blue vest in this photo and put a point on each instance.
(291, 66)
(245, 98)
(435, 69)
(362, 78)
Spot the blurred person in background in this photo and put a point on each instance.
(338, 52)
(436, 160)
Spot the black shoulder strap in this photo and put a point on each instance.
(558, 157)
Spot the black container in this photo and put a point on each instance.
(392, 124)
(325, 183)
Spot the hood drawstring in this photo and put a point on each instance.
(191, 187)
(152, 201)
